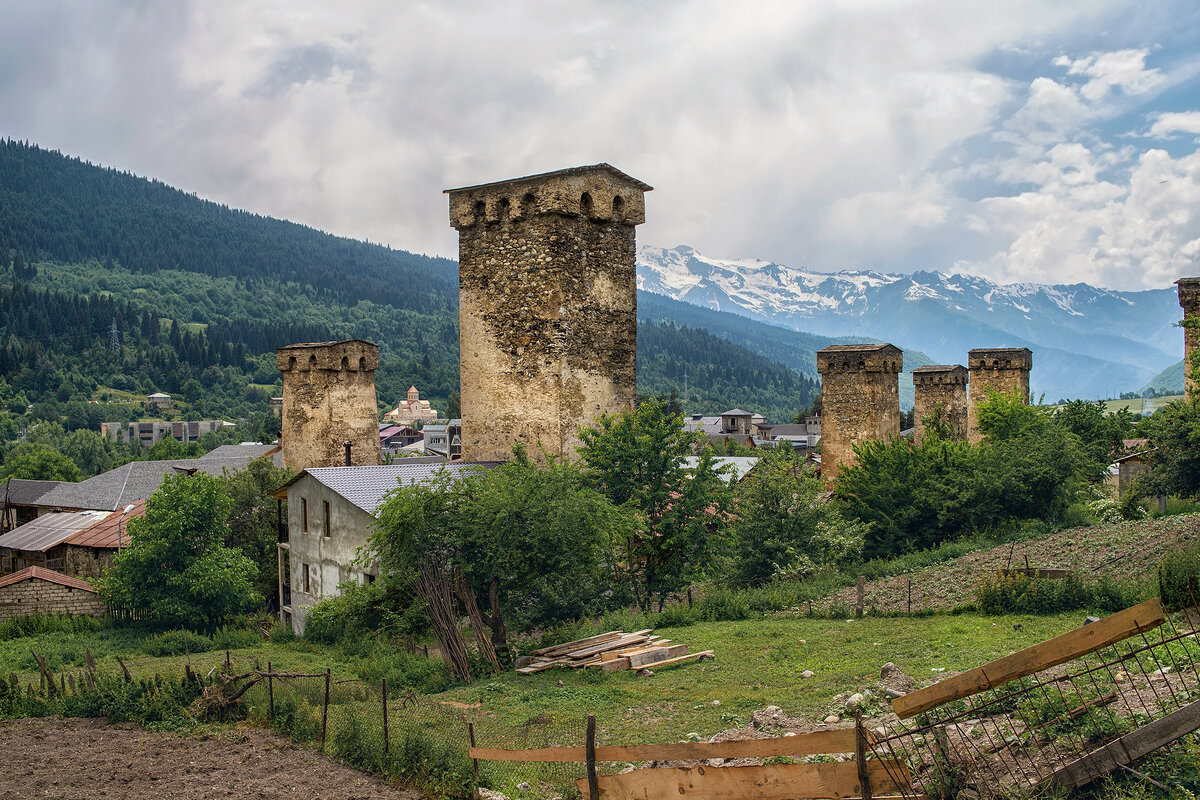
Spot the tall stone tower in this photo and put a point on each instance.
(942, 387)
(860, 399)
(1002, 369)
(547, 306)
(1189, 298)
(328, 400)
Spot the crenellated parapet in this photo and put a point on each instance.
(999, 369)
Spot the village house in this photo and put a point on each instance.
(34, 590)
(444, 440)
(331, 511)
(394, 438)
(411, 410)
(76, 543)
(158, 400)
(20, 501)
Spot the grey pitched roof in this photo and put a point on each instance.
(365, 487)
(49, 530)
(736, 467)
(23, 491)
(736, 412)
(137, 480)
(789, 429)
(244, 450)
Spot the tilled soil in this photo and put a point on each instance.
(89, 759)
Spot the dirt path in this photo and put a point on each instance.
(1113, 551)
(88, 759)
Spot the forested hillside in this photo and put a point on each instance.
(114, 286)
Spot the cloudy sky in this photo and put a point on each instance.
(1050, 141)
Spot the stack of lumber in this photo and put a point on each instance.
(612, 651)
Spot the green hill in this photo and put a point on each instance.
(1169, 381)
(198, 295)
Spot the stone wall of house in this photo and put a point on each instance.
(1189, 299)
(940, 389)
(86, 562)
(548, 307)
(1003, 369)
(329, 399)
(860, 399)
(35, 596)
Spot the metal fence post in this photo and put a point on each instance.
(325, 709)
(386, 744)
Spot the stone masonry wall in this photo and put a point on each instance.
(548, 307)
(1001, 369)
(44, 597)
(328, 399)
(941, 388)
(860, 400)
(1189, 299)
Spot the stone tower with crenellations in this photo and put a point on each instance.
(940, 388)
(1189, 299)
(547, 307)
(328, 400)
(860, 399)
(1001, 369)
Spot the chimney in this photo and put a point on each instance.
(347, 444)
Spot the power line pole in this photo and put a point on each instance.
(114, 337)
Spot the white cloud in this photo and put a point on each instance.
(1122, 69)
(1172, 122)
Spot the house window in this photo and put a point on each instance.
(368, 578)
(304, 515)
(325, 507)
(307, 578)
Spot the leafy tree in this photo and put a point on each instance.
(1102, 435)
(914, 497)
(177, 569)
(1174, 457)
(774, 518)
(637, 459)
(253, 518)
(38, 463)
(170, 449)
(531, 545)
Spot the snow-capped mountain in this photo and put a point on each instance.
(1087, 341)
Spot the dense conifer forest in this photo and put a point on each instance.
(113, 286)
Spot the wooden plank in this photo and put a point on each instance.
(703, 654)
(1127, 749)
(615, 665)
(773, 782)
(833, 741)
(625, 641)
(568, 646)
(1059, 650)
(649, 645)
(656, 655)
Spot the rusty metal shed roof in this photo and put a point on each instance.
(110, 532)
(43, 574)
(50, 530)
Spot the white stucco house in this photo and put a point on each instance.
(331, 512)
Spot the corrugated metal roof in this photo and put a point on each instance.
(366, 486)
(109, 532)
(49, 530)
(736, 467)
(43, 574)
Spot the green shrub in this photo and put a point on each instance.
(180, 642)
(36, 624)
(430, 764)
(723, 605)
(1179, 578)
(235, 637)
(1018, 593)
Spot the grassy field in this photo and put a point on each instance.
(1138, 406)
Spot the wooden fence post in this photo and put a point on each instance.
(386, 744)
(910, 595)
(860, 754)
(271, 692)
(325, 709)
(474, 761)
(862, 589)
(590, 753)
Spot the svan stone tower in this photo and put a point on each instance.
(860, 399)
(1189, 298)
(1001, 369)
(329, 400)
(547, 306)
(940, 387)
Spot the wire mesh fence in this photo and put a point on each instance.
(1059, 727)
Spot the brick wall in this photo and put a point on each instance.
(44, 597)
